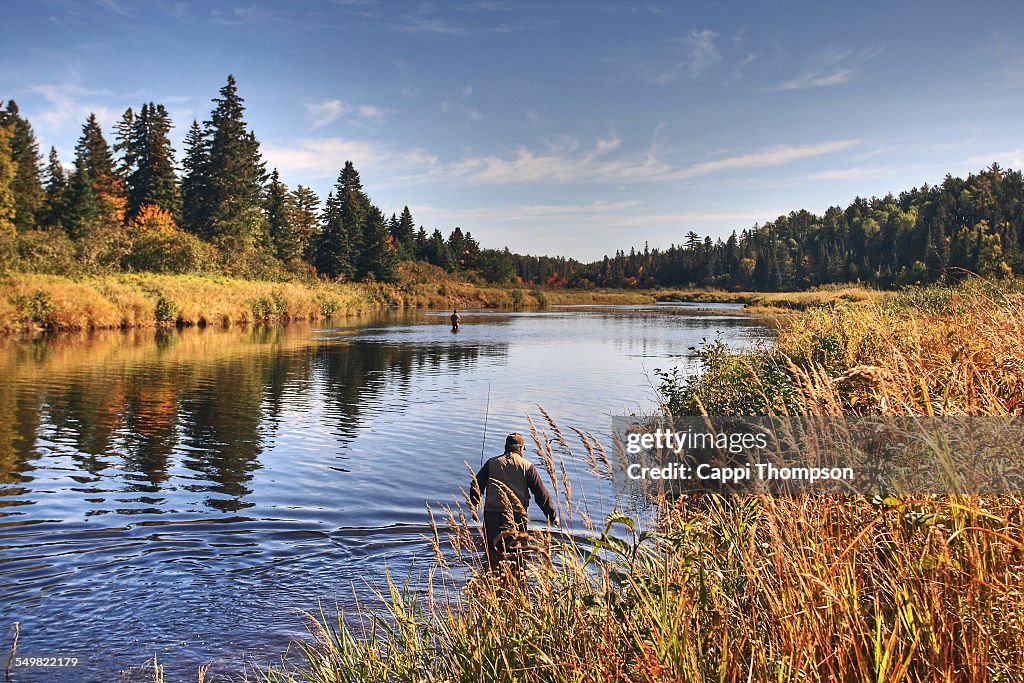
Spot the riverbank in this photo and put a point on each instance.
(756, 588)
(33, 302)
(30, 302)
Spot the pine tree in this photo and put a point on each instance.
(98, 160)
(420, 245)
(235, 174)
(95, 202)
(24, 151)
(195, 208)
(333, 251)
(51, 214)
(306, 219)
(280, 211)
(437, 251)
(148, 160)
(379, 261)
(340, 249)
(82, 206)
(404, 233)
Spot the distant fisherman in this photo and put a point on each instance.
(456, 319)
(508, 481)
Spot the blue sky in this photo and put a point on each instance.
(569, 127)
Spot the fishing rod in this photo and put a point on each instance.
(487, 413)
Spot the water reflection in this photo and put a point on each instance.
(134, 400)
(182, 492)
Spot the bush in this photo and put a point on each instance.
(34, 308)
(47, 251)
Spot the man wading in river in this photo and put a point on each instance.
(456, 319)
(508, 481)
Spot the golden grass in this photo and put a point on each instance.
(33, 301)
(745, 588)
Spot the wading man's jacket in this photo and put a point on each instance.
(508, 481)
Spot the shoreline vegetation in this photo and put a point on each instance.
(55, 303)
(742, 588)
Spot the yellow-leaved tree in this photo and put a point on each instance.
(8, 238)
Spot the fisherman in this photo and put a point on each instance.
(456, 319)
(508, 480)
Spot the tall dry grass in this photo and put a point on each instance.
(743, 588)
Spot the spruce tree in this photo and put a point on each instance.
(51, 214)
(405, 235)
(235, 174)
(306, 219)
(98, 160)
(24, 152)
(341, 250)
(95, 202)
(280, 211)
(195, 205)
(332, 253)
(148, 160)
(379, 261)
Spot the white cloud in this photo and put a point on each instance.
(853, 173)
(828, 68)
(371, 113)
(696, 54)
(324, 158)
(326, 112)
(1009, 158)
(775, 156)
(71, 104)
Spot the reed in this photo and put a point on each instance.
(742, 588)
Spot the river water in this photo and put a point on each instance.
(184, 493)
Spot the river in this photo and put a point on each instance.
(184, 493)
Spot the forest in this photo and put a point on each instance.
(131, 206)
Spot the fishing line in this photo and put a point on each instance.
(487, 413)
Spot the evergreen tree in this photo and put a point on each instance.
(420, 245)
(148, 160)
(98, 159)
(340, 250)
(195, 204)
(280, 212)
(8, 205)
(51, 214)
(306, 219)
(94, 209)
(379, 260)
(26, 184)
(404, 232)
(234, 174)
(333, 251)
(437, 251)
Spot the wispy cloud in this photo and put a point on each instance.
(1012, 158)
(568, 165)
(114, 6)
(238, 16)
(692, 56)
(852, 173)
(327, 112)
(70, 103)
(775, 156)
(324, 157)
(828, 68)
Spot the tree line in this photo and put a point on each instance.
(130, 206)
(927, 234)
